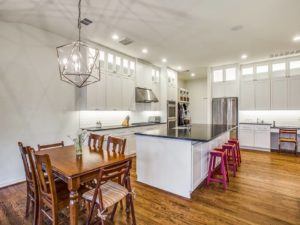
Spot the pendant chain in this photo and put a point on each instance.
(79, 19)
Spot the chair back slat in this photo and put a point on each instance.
(96, 141)
(27, 162)
(45, 177)
(116, 143)
(55, 145)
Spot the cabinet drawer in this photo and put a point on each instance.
(246, 127)
(263, 127)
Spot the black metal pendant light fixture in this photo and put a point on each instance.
(78, 62)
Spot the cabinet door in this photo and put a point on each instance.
(230, 89)
(128, 94)
(96, 95)
(262, 139)
(114, 92)
(155, 106)
(279, 91)
(262, 94)
(294, 92)
(246, 136)
(218, 90)
(247, 95)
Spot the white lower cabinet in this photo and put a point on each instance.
(257, 137)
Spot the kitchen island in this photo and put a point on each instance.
(176, 160)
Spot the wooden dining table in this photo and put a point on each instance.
(75, 170)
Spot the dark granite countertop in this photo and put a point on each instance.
(194, 132)
(142, 124)
(250, 123)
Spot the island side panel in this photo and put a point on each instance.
(165, 164)
(200, 158)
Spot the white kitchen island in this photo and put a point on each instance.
(176, 160)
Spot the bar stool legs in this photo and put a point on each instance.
(212, 166)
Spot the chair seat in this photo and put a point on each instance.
(112, 193)
(288, 140)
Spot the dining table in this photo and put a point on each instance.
(77, 169)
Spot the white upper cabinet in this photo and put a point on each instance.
(172, 85)
(96, 93)
(128, 94)
(293, 92)
(113, 92)
(224, 82)
(262, 94)
(279, 92)
(247, 97)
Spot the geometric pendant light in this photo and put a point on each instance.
(78, 62)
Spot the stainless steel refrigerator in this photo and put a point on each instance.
(225, 111)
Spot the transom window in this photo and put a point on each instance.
(295, 65)
(230, 74)
(262, 69)
(217, 75)
(247, 71)
(278, 67)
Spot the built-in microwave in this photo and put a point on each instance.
(171, 109)
(172, 114)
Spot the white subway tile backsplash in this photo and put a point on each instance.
(282, 117)
(110, 118)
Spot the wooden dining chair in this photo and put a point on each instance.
(31, 181)
(96, 141)
(108, 193)
(55, 145)
(116, 143)
(53, 196)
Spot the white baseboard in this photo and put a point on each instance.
(11, 182)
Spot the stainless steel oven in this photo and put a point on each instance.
(172, 114)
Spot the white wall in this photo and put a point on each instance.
(198, 100)
(36, 107)
(282, 117)
(181, 83)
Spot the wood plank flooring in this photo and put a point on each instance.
(266, 191)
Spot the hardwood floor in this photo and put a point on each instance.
(266, 191)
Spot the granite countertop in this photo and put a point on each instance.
(252, 123)
(194, 132)
(142, 124)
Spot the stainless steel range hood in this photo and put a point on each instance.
(144, 95)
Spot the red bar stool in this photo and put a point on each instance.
(231, 157)
(220, 149)
(212, 166)
(238, 150)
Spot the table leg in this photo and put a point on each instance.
(73, 186)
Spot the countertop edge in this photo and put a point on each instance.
(121, 127)
(183, 138)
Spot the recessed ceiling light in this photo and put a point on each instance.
(164, 60)
(297, 38)
(145, 50)
(193, 74)
(179, 67)
(115, 37)
(244, 56)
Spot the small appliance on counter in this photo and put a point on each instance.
(125, 122)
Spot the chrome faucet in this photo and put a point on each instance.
(99, 124)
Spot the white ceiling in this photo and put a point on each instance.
(191, 33)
